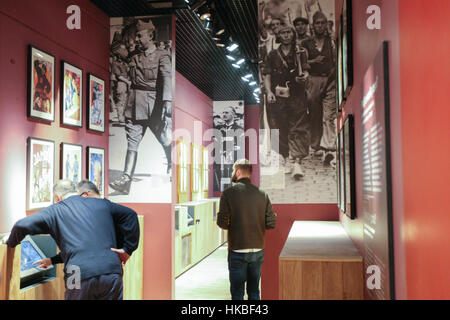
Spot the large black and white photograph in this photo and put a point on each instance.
(229, 146)
(140, 126)
(297, 62)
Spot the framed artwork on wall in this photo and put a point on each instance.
(347, 47)
(71, 95)
(41, 167)
(349, 163)
(41, 84)
(71, 162)
(339, 73)
(96, 167)
(96, 104)
(341, 161)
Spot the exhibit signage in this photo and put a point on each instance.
(376, 175)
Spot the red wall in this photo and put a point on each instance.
(44, 26)
(418, 57)
(193, 115)
(425, 78)
(366, 44)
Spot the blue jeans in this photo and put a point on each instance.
(102, 287)
(245, 267)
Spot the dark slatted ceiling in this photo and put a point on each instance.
(197, 57)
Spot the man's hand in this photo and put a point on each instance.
(44, 263)
(166, 110)
(271, 97)
(123, 256)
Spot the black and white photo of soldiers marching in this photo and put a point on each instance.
(297, 61)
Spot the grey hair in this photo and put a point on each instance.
(63, 187)
(87, 186)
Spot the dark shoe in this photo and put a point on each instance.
(122, 185)
(328, 157)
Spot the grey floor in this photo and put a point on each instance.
(208, 280)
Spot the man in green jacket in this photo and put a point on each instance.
(246, 212)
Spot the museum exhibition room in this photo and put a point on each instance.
(318, 127)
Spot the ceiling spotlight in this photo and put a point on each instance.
(230, 58)
(252, 83)
(232, 47)
(220, 45)
(256, 90)
(240, 61)
(187, 1)
(220, 32)
(236, 65)
(215, 38)
(205, 16)
(247, 76)
(245, 79)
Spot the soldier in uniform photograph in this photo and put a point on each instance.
(287, 110)
(321, 89)
(149, 101)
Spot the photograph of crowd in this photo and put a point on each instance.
(297, 62)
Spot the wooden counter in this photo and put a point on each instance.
(320, 262)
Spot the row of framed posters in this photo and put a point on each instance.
(41, 168)
(41, 91)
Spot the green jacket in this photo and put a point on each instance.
(246, 212)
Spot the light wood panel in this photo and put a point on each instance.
(206, 236)
(3, 283)
(52, 289)
(320, 262)
(134, 269)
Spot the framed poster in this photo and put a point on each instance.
(96, 167)
(349, 163)
(338, 170)
(376, 193)
(41, 165)
(41, 84)
(341, 161)
(71, 95)
(71, 162)
(339, 73)
(347, 48)
(96, 104)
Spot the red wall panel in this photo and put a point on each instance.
(43, 24)
(425, 76)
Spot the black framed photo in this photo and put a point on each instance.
(41, 167)
(340, 67)
(347, 47)
(95, 103)
(41, 84)
(71, 162)
(341, 161)
(96, 167)
(349, 163)
(71, 95)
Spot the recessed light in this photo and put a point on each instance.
(236, 65)
(220, 32)
(230, 58)
(232, 47)
(241, 61)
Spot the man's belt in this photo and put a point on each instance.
(143, 88)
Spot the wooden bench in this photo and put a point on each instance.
(320, 262)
